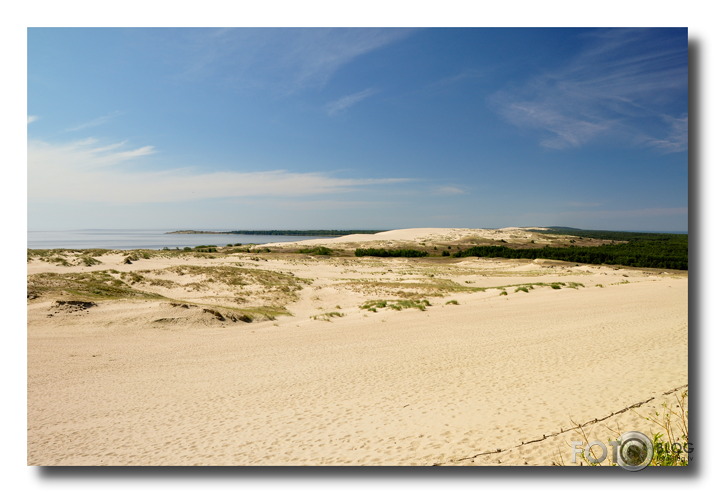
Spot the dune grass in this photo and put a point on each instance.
(374, 305)
(325, 317)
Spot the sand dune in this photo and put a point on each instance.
(417, 235)
(148, 381)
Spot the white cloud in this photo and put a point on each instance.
(85, 171)
(620, 86)
(32, 118)
(339, 105)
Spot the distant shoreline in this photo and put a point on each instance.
(280, 232)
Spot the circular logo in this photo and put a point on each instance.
(635, 451)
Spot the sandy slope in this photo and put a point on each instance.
(110, 385)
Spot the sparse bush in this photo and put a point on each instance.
(452, 302)
(318, 250)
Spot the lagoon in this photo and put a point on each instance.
(155, 239)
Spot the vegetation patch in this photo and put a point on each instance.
(137, 277)
(398, 305)
(241, 276)
(412, 288)
(94, 285)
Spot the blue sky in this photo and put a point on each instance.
(357, 128)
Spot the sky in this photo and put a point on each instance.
(290, 128)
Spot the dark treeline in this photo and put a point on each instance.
(657, 250)
(382, 252)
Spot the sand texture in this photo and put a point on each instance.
(290, 359)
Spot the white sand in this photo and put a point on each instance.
(110, 386)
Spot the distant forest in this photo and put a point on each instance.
(283, 232)
(658, 250)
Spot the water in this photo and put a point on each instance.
(155, 239)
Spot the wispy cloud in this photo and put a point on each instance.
(449, 190)
(95, 122)
(286, 59)
(340, 105)
(676, 139)
(618, 86)
(32, 118)
(86, 171)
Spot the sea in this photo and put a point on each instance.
(153, 239)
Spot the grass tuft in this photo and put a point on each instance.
(325, 317)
